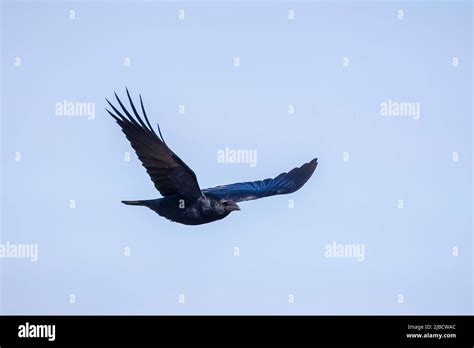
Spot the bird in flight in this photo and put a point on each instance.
(183, 200)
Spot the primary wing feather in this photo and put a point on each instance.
(282, 184)
(167, 171)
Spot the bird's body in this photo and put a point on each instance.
(176, 208)
(183, 200)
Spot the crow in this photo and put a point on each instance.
(183, 201)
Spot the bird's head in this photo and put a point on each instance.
(229, 205)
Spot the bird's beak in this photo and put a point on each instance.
(234, 206)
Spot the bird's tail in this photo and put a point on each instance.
(133, 202)
(153, 204)
(150, 203)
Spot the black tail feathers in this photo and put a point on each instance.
(133, 202)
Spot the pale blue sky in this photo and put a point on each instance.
(407, 251)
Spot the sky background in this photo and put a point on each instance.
(283, 62)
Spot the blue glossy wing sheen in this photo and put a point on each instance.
(282, 184)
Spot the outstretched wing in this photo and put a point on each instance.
(167, 171)
(282, 184)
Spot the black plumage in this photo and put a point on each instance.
(183, 201)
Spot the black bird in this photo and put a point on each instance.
(183, 201)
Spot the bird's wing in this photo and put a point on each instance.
(167, 171)
(282, 184)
